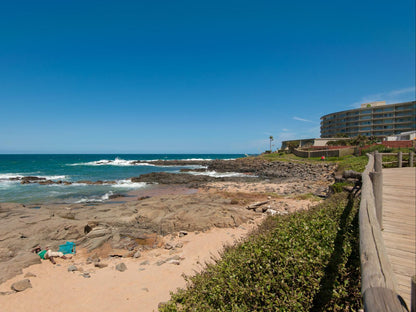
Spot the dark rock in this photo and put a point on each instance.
(72, 268)
(168, 246)
(47, 182)
(182, 233)
(115, 196)
(100, 265)
(21, 285)
(93, 258)
(143, 197)
(121, 267)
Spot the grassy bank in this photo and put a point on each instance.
(307, 261)
(350, 162)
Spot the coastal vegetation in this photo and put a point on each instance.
(349, 162)
(306, 261)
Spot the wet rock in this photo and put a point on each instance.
(113, 196)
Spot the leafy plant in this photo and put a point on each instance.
(307, 261)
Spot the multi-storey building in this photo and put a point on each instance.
(371, 119)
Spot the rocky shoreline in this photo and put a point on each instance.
(251, 169)
(126, 228)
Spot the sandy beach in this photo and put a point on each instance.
(160, 234)
(141, 287)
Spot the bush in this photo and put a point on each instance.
(307, 261)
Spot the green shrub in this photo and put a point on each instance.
(379, 148)
(307, 261)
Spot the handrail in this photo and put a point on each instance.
(378, 285)
(400, 160)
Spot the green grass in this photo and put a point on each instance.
(307, 261)
(307, 196)
(350, 162)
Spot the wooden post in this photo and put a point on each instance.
(411, 156)
(378, 162)
(400, 159)
(413, 295)
(377, 179)
(378, 285)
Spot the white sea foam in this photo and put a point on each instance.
(129, 184)
(122, 162)
(184, 159)
(53, 177)
(101, 199)
(116, 162)
(5, 184)
(7, 176)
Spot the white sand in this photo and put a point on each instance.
(56, 289)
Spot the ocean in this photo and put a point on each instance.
(78, 167)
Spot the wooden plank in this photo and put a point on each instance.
(413, 294)
(378, 285)
(399, 225)
(382, 299)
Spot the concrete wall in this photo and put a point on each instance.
(326, 153)
(398, 144)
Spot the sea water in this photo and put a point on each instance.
(77, 167)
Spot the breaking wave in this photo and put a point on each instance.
(101, 199)
(8, 176)
(116, 162)
(129, 184)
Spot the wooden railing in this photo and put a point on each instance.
(400, 162)
(378, 285)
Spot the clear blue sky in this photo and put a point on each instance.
(193, 76)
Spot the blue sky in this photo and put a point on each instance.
(193, 76)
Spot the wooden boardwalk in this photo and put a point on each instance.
(399, 225)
